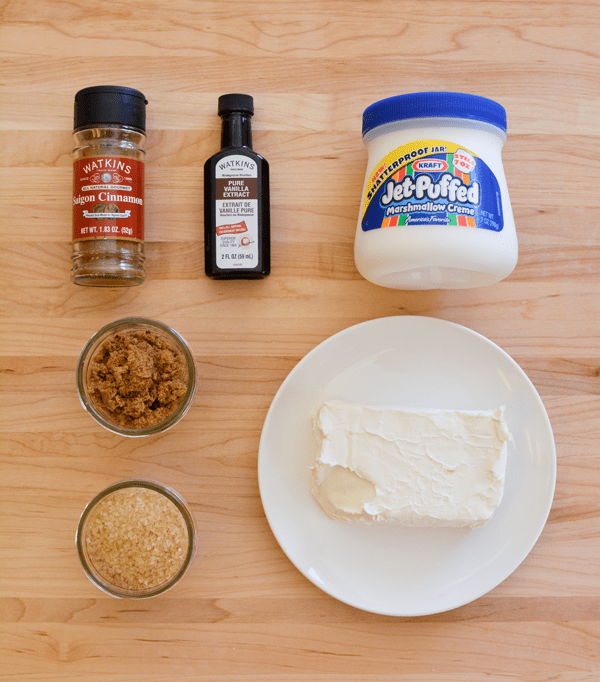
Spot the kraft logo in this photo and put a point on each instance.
(430, 166)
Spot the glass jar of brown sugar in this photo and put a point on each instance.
(137, 377)
(108, 187)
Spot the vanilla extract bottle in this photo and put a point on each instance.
(236, 199)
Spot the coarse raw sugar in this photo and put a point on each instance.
(136, 538)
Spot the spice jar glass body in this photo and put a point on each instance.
(137, 377)
(136, 539)
(101, 258)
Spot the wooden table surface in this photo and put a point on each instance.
(244, 613)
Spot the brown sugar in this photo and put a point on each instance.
(136, 538)
(137, 378)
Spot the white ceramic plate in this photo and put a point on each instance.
(406, 362)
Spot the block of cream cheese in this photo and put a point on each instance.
(415, 467)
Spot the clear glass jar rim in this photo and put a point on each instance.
(183, 509)
(132, 322)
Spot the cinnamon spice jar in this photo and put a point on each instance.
(108, 187)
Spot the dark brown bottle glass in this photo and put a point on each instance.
(237, 241)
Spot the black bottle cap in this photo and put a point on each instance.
(236, 102)
(110, 105)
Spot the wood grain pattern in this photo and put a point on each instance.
(244, 613)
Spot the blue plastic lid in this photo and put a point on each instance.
(430, 104)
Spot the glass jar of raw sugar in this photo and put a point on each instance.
(136, 539)
(435, 211)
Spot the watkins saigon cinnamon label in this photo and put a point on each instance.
(108, 198)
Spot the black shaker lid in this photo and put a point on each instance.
(236, 102)
(110, 105)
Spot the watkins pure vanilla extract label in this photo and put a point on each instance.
(236, 212)
(432, 182)
(108, 198)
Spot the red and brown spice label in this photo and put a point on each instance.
(108, 198)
